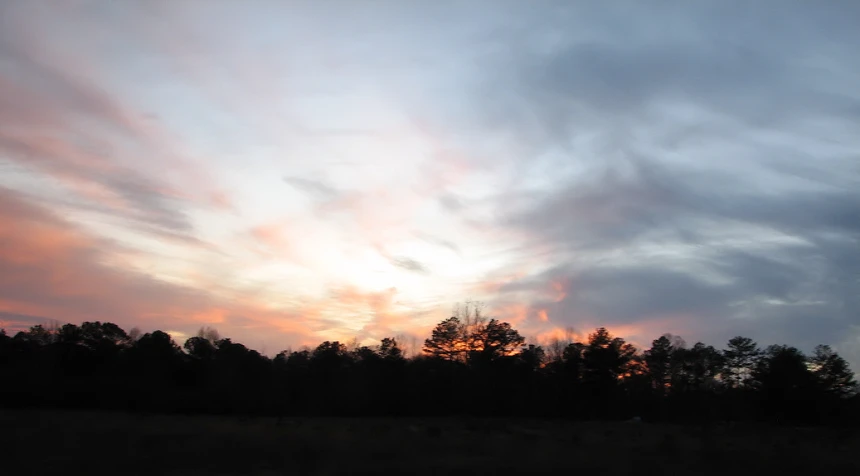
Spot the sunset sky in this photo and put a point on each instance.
(292, 172)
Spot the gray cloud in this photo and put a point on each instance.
(409, 264)
(20, 321)
(706, 165)
(403, 262)
(609, 209)
(451, 202)
(315, 188)
(706, 247)
(435, 240)
(617, 74)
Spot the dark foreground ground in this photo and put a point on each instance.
(64, 442)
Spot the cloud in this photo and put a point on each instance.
(50, 265)
(617, 70)
(314, 188)
(681, 168)
(61, 120)
(51, 270)
(21, 321)
(728, 258)
(409, 264)
(451, 202)
(689, 169)
(435, 240)
(379, 314)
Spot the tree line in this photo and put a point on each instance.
(470, 366)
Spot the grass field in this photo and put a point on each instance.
(92, 443)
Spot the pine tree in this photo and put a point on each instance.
(446, 341)
(832, 372)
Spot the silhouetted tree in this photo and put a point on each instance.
(573, 361)
(157, 345)
(533, 357)
(209, 333)
(390, 350)
(446, 341)
(97, 333)
(739, 359)
(37, 334)
(366, 355)
(605, 357)
(832, 372)
(785, 382)
(659, 361)
(494, 340)
(299, 361)
(70, 334)
(605, 362)
(200, 348)
(482, 363)
(701, 365)
(329, 354)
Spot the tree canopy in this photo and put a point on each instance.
(469, 365)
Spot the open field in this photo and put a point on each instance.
(93, 443)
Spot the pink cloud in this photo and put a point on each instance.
(51, 269)
(272, 235)
(61, 119)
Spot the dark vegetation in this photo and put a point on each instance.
(37, 442)
(470, 367)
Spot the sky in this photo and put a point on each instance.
(291, 172)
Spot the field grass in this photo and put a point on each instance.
(93, 443)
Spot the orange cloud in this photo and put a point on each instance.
(378, 309)
(640, 333)
(543, 316)
(514, 313)
(559, 288)
(559, 333)
(493, 285)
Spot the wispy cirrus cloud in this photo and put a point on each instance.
(58, 122)
(51, 269)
